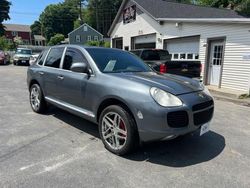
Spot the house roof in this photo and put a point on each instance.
(17, 27)
(39, 37)
(170, 10)
(87, 26)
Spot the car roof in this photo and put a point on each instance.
(85, 47)
(23, 49)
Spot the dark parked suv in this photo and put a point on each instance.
(115, 89)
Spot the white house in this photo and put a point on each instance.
(219, 38)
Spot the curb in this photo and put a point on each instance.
(243, 102)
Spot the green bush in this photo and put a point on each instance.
(57, 39)
(5, 45)
(98, 43)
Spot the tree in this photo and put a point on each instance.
(245, 8)
(101, 13)
(36, 28)
(4, 14)
(57, 39)
(58, 18)
(241, 6)
(3, 43)
(18, 40)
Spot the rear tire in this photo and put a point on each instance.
(118, 130)
(37, 101)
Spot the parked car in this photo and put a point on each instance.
(4, 58)
(33, 58)
(22, 56)
(116, 90)
(160, 60)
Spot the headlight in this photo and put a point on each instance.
(15, 58)
(164, 98)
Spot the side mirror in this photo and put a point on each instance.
(79, 67)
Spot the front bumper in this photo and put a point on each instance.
(24, 62)
(198, 109)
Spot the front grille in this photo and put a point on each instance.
(203, 116)
(203, 105)
(177, 119)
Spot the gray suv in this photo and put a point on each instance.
(115, 89)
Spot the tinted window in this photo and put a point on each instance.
(136, 53)
(41, 57)
(112, 61)
(72, 56)
(54, 57)
(155, 55)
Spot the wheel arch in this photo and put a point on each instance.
(113, 101)
(32, 82)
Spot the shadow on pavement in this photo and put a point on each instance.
(183, 151)
(180, 152)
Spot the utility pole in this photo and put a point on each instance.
(80, 12)
(96, 15)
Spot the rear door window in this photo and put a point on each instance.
(54, 57)
(73, 56)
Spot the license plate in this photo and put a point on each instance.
(23, 61)
(184, 70)
(205, 128)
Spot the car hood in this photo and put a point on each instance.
(173, 84)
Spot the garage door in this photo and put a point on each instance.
(145, 41)
(183, 48)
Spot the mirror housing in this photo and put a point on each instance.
(79, 67)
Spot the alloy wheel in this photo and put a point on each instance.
(35, 98)
(114, 130)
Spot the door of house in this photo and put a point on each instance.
(216, 60)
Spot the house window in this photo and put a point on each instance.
(96, 38)
(14, 33)
(176, 56)
(78, 38)
(10, 41)
(26, 42)
(89, 38)
(85, 28)
(189, 56)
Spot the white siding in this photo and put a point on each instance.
(236, 70)
(139, 27)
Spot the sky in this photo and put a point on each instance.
(27, 11)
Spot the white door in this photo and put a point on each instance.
(216, 58)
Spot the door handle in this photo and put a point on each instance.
(60, 77)
(41, 73)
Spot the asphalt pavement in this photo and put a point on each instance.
(61, 150)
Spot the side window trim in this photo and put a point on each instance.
(45, 59)
(62, 59)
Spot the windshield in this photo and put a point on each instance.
(115, 61)
(24, 51)
(155, 55)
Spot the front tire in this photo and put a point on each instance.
(118, 130)
(37, 101)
